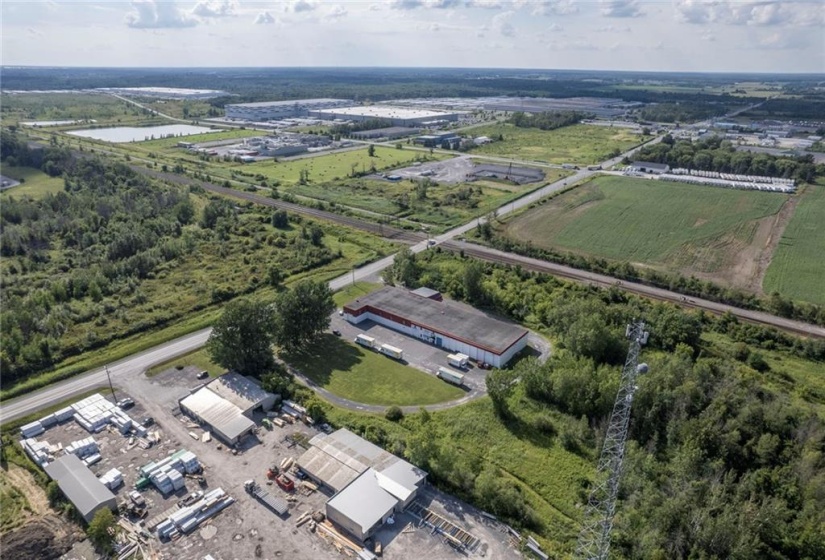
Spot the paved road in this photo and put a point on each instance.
(138, 363)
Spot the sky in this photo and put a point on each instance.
(640, 35)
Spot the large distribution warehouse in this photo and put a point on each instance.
(370, 483)
(273, 110)
(450, 325)
(398, 116)
(226, 405)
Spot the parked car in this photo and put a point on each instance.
(203, 375)
(137, 499)
(336, 332)
(126, 403)
(148, 421)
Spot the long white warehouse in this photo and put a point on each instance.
(450, 325)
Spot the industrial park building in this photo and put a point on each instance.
(273, 110)
(648, 167)
(449, 325)
(370, 484)
(397, 116)
(86, 492)
(226, 406)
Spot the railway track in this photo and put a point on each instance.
(382, 230)
(651, 292)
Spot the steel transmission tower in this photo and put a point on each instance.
(594, 539)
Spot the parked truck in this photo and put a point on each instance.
(392, 352)
(450, 376)
(366, 341)
(276, 504)
(458, 360)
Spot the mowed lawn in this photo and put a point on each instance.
(199, 358)
(338, 165)
(36, 184)
(581, 144)
(798, 266)
(646, 221)
(364, 375)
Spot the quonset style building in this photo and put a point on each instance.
(450, 325)
(370, 484)
(274, 110)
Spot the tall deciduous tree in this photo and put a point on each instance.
(301, 314)
(500, 383)
(242, 338)
(98, 530)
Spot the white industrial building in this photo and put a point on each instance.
(449, 325)
(648, 167)
(398, 116)
(370, 483)
(274, 110)
(86, 492)
(227, 405)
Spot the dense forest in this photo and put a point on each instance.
(548, 120)
(805, 107)
(722, 463)
(116, 254)
(716, 154)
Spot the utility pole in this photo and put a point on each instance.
(111, 387)
(594, 539)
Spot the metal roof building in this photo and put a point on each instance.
(370, 483)
(270, 110)
(649, 167)
(398, 116)
(226, 405)
(450, 325)
(80, 486)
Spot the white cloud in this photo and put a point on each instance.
(302, 6)
(337, 12)
(554, 7)
(754, 13)
(614, 29)
(782, 41)
(444, 4)
(148, 14)
(215, 9)
(486, 4)
(264, 18)
(406, 4)
(621, 8)
(501, 23)
(435, 27)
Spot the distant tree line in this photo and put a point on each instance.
(547, 120)
(717, 154)
(683, 112)
(804, 108)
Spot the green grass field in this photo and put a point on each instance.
(582, 144)
(643, 221)
(170, 144)
(198, 358)
(798, 266)
(346, 295)
(67, 106)
(366, 376)
(13, 504)
(36, 183)
(339, 165)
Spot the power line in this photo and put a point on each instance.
(594, 539)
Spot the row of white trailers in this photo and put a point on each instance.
(386, 349)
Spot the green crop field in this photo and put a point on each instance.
(687, 227)
(798, 266)
(581, 144)
(36, 184)
(338, 165)
(366, 376)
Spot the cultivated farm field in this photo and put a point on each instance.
(798, 266)
(581, 144)
(712, 233)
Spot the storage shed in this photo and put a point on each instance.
(81, 486)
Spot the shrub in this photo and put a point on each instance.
(394, 414)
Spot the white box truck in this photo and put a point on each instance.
(450, 376)
(458, 360)
(364, 340)
(392, 352)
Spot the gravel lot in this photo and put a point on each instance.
(247, 529)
